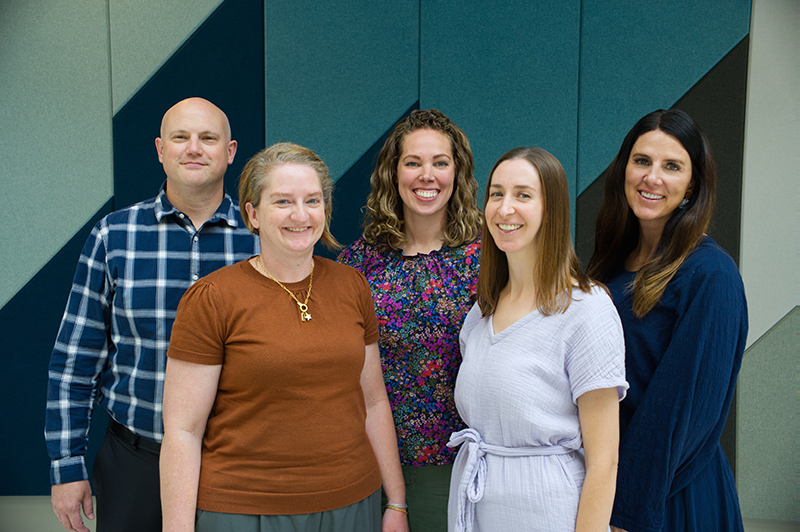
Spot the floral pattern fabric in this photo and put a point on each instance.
(420, 302)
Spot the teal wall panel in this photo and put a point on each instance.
(506, 73)
(768, 421)
(55, 129)
(144, 34)
(338, 74)
(637, 57)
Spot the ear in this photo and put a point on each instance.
(251, 214)
(231, 151)
(689, 191)
(160, 149)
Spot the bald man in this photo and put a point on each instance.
(111, 347)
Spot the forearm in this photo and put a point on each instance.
(382, 437)
(180, 474)
(597, 498)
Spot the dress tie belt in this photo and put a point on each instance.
(473, 479)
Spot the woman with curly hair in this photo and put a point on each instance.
(420, 254)
(682, 305)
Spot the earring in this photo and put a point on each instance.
(684, 203)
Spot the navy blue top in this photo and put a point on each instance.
(682, 359)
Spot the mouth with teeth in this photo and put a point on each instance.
(296, 229)
(506, 228)
(426, 193)
(650, 195)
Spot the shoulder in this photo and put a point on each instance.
(469, 252)
(341, 272)
(472, 320)
(708, 262)
(362, 255)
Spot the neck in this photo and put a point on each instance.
(520, 275)
(287, 269)
(423, 235)
(649, 237)
(198, 204)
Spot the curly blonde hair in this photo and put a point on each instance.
(383, 224)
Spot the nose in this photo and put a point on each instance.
(653, 177)
(195, 146)
(427, 173)
(300, 212)
(506, 207)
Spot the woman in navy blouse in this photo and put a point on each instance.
(681, 301)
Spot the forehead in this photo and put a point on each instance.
(292, 178)
(516, 173)
(426, 140)
(660, 144)
(195, 117)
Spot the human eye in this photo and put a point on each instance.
(672, 167)
(524, 195)
(314, 201)
(442, 164)
(412, 164)
(643, 161)
(496, 194)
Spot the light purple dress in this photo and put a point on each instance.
(519, 467)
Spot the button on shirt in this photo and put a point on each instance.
(112, 343)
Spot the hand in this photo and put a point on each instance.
(68, 500)
(394, 521)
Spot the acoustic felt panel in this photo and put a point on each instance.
(506, 73)
(144, 34)
(338, 73)
(28, 325)
(230, 75)
(55, 129)
(637, 57)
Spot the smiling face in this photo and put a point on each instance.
(195, 146)
(290, 217)
(515, 207)
(425, 175)
(657, 178)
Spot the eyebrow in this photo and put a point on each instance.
(414, 155)
(637, 154)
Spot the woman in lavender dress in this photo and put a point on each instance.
(543, 368)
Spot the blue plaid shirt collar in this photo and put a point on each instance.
(225, 212)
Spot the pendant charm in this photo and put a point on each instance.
(304, 315)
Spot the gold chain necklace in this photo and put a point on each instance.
(304, 315)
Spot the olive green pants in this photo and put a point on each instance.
(427, 490)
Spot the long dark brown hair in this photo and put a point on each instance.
(617, 228)
(556, 263)
(383, 223)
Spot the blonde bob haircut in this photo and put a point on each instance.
(557, 269)
(383, 224)
(256, 173)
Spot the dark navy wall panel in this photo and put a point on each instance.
(506, 72)
(28, 326)
(338, 72)
(640, 56)
(223, 61)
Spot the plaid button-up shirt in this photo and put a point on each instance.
(112, 344)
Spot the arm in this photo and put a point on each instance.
(678, 421)
(189, 393)
(598, 411)
(79, 354)
(380, 430)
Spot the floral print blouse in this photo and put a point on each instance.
(420, 302)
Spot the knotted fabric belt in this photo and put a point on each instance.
(473, 479)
